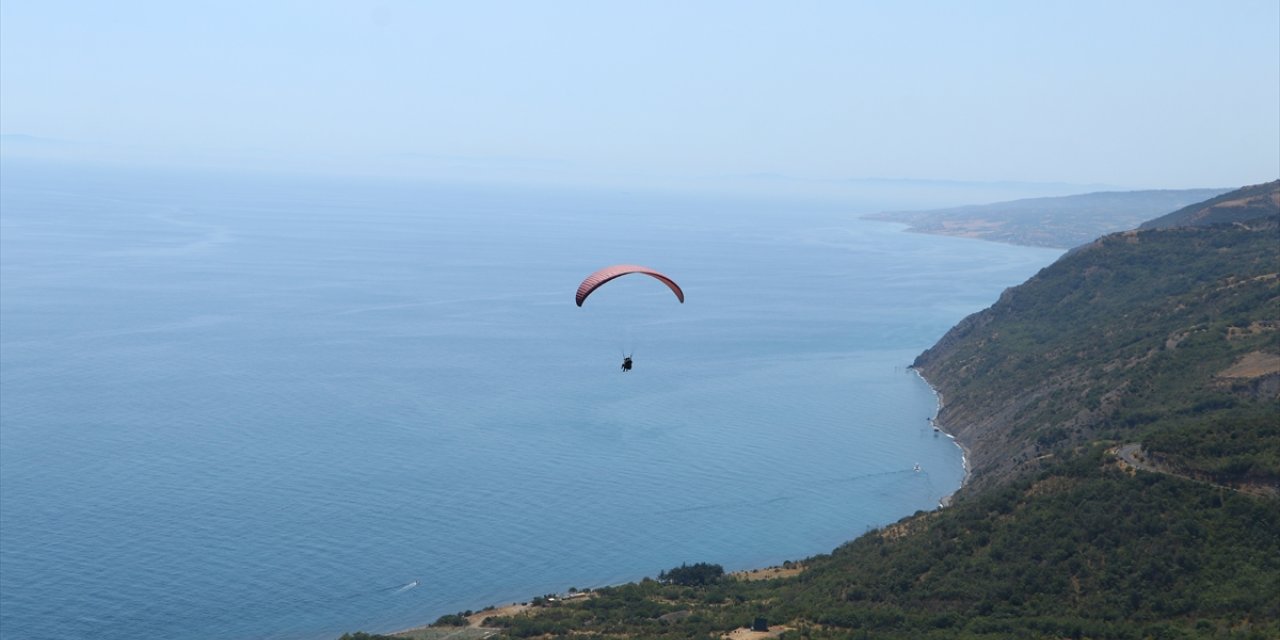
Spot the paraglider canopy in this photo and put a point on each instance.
(606, 274)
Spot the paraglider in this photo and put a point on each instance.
(595, 280)
(606, 274)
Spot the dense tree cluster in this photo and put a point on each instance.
(693, 575)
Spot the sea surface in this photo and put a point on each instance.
(275, 407)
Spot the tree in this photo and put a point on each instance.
(695, 575)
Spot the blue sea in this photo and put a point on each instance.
(280, 407)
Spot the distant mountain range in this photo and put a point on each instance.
(1000, 184)
(1061, 222)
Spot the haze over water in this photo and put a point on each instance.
(282, 408)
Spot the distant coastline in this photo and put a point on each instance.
(1060, 222)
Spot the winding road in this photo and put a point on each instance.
(1134, 457)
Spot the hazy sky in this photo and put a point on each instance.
(1134, 94)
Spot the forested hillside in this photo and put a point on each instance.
(1240, 205)
(1166, 335)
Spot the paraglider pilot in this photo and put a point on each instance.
(626, 363)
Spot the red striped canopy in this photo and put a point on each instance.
(606, 274)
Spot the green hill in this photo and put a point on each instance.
(1169, 334)
(1240, 205)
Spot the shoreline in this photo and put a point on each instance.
(515, 608)
(940, 428)
(477, 618)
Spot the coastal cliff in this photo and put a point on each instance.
(1130, 337)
